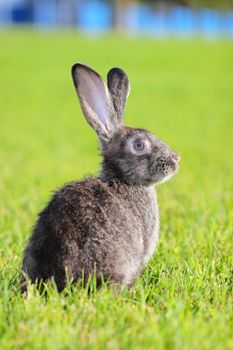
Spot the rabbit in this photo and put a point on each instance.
(107, 226)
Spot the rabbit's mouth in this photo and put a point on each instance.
(166, 177)
(163, 169)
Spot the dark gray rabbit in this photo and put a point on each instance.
(107, 225)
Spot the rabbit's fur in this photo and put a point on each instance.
(106, 225)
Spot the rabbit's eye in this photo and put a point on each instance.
(138, 146)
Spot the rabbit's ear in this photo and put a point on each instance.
(95, 100)
(119, 87)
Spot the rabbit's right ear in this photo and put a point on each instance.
(119, 87)
(95, 100)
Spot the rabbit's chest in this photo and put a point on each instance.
(146, 228)
(150, 225)
(151, 233)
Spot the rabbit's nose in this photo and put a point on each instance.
(176, 157)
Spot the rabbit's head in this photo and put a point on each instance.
(134, 156)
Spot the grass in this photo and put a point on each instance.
(181, 91)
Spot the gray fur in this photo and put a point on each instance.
(108, 224)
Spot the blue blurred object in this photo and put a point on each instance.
(210, 23)
(182, 21)
(94, 16)
(45, 13)
(5, 15)
(22, 14)
(144, 18)
(229, 26)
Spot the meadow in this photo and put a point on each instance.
(181, 90)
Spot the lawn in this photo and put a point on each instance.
(183, 92)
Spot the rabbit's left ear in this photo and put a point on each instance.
(119, 87)
(95, 100)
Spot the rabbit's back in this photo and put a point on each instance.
(92, 225)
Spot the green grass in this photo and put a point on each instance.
(182, 91)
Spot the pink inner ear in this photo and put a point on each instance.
(92, 90)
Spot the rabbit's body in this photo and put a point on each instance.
(108, 225)
(78, 224)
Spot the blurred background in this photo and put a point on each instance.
(152, 17)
